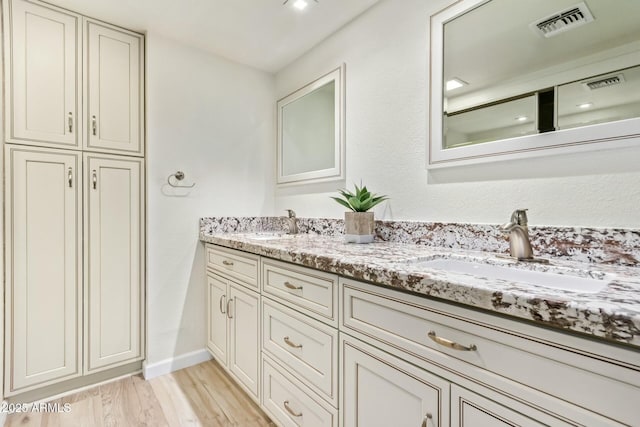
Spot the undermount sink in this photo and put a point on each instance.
(551, 280)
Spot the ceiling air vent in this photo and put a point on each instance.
(604, 82)
(568, 19)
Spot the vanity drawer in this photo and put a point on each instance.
(234, 264)
(307, 347)
(459, 341)
(290, 403)
(313, 291)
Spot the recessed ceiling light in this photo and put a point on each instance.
(300, 4)
(455, 83)
(521, 118)
(585, 105)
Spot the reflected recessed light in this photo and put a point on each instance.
(585, 105)
(300, 4)
(455, 83)
(521, 118)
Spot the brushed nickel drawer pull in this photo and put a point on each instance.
(70, 122)
(227, 263)
(427, 418)
(221, 304)
(94, 125)
(70, 177)
(291, 343)
(94, 179)
(450, 344)
(290, 285)
(291, 411)
(229, 308)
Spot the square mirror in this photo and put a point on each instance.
(310, 144)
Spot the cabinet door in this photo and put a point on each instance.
(43, 68)
(469, 409)
(380, 390)
(114, 273)
(114, 95)
(43, 267)
(217, 318)
(244, 338)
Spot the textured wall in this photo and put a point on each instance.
(386, 56)
(212, 119)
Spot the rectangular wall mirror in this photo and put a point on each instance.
(310, 145)
(516, 79)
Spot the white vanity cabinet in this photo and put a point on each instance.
(87, 63)
(233, 310)
(299, 337)
(501, 371)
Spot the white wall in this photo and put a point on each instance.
(386, 56)
(214, 120)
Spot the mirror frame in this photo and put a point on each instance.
(337, 172)
(620, 133)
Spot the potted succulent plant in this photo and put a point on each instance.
(358, 222)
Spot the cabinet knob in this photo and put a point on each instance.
(291, 343)
(450, 344)
(289, 285)
(291, 411)
(221, 304)
(229, 308)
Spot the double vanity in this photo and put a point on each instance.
(323, 333)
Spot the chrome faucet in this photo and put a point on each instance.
(292, 222)
(519, 244)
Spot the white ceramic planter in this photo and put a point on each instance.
(358, 227)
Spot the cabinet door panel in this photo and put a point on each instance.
(43, 67)
(471, 410)
(113, 76)
(244, 338)
(217, 321)
(43, 269)
(380, 390)
(114, 259)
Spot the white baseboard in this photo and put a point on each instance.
(175, 363)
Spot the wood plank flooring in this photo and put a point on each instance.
(202, 395)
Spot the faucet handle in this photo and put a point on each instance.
(291, 213)
(519, 216)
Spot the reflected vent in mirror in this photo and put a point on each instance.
(604, 82)
(564, 20)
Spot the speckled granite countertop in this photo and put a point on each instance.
(612, 314)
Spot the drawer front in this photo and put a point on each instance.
(234, 264)
(305, 346)
(290, 403)
(313, 291)
(404, 322)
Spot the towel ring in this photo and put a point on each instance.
(178, 176)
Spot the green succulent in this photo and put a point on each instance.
(360, 201)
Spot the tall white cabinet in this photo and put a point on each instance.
(43, 217)
(74, 197)
(113, 232)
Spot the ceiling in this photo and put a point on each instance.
(264, 34)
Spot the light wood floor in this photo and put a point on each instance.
(202, 395)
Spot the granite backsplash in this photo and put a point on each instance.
(593, 245)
